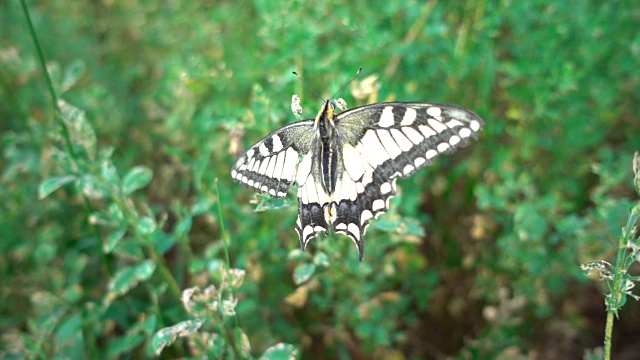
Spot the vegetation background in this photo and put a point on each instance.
(105, 224)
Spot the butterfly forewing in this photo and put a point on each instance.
(271, 164)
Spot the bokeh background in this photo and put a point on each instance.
(119, 199)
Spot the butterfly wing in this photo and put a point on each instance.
(384, 141)
(271, 164)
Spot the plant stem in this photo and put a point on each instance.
(616, 294)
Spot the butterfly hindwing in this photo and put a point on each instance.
(313, 201)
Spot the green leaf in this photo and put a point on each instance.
(133, 337)
(280, 351)
(109, 173)
(167, 336)
(72, 73)
(124, 344)
(302, 273)
(91, 188)
(321, 259)
(81, 134)
(127, 278)
(113, 239)
(203, 205)
(136, 178)
(162, 241)
(266, 202)
(183, 227)
(146, 226)
(69, 338)
(52, 184)
(242, 340)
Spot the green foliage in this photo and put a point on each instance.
(618, 276)
(113, 233)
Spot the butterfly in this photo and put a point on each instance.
(345, 163)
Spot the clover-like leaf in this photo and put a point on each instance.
(136, 178)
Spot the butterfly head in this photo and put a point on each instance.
(324, 120)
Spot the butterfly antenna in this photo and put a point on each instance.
(347, 84)
(307, 85)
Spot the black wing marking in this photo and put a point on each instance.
(271, 164)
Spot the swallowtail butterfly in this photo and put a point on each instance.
(346, 164)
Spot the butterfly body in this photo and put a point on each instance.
(346, 164)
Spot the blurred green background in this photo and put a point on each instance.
(103, 226)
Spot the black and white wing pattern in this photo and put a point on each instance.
(271, 164)
(346, 165)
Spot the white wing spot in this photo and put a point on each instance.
(431, 154)
(341, 226)
(271, 166)
(338, 189)
(475, 126)
(354, 230)
(352, 161)
(308, 230)
(302, 195)
(272, 192)
(281, 194)
(250, 153)
(244, 179)
(389, 144)
(408, 169)
(464, 133)
(264, 188)
(454, 140)
(312, 190)
(367, 178)
(359, 187)
(434, 111)
(250, 164)
(413, 135)
(437, 125)
(277, 143)
(372, 149)
(419, 161)
(377, 205)
(453, 123)
(290, 161)
(402, 140)
(263, 166)
(277, 171)
(233, 173)
(250, 182)
(349, 191)
(386, 119)
(304, 169)
(385, 188)
(426, 131)
(409, 117)
(263, 149)
(365, 216)
(442, 147)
